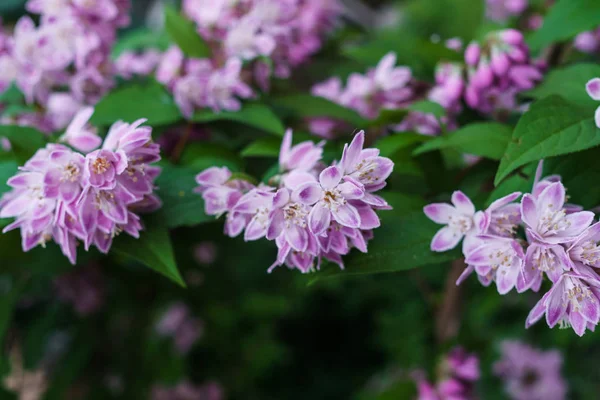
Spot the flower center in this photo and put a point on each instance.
(577, 294)
(333, 198)
(545, 260)
(460, 223)
(588, 253)
(501, 258)
(70, 173)
(553, 222)
(100, 165)
(503, 223)
(294, 214)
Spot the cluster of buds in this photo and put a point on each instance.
(63, 195)
(311, 212)
(458, 373)
(69, 49)
(560, 243)
(498, 70)
(250, 41)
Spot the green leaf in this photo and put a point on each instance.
(486, 139)
(149, 100)
(265, 147)
(389, 145)
(388, 117)
(566, 19)
(252, 114)
(400, 244)
(445, 18)
(569, 83)
(201, 155)
(152, 249)
(305, 105)
(428, 107)
(181, 206)
(25, 141)
(184, 34)
(12, 95)
(550, 128)
(141, 39)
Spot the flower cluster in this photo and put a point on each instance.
(458, 373)
(529, 373)
(588, 42)
(560, 243)
(593, 90)
(494, 73)
(384, 87)
(311, 212)
(65, 196)
(178, 323)
(497, 70)
(185, 390)
(69, 49)
(250, 41)
(502, 10)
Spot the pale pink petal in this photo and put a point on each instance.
(537, 311)
(439, 213)
(330, 177)
(297, 237)
(346, 215)
(445, 239)
(319, 218)
(351, 154)
(529, 211)
(462, 203)
(552, 198)
(308, 194)
(555, 306)
(593, 88)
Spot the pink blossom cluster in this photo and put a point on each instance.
(529, 373)
(69, 49)
(63, 195)
(178, 323)
(384, 87)
(311, 212)
(560, 243)
(250, 41)
(498, 70)
(494, 73)
(502, 10)
(459, 371)
(588, 42)
(185, 390)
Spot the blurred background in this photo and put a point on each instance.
(111, 329)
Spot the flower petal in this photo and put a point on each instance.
(593, 88)
(330, 177)
(462, 203)
(351, 153)
(439, 213)
(319, 218)
(445, 239)
(308, 194)
(346, 215)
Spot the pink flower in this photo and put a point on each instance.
(225, 85)
(546, 220)
(593, 90)
(573, 301)
(330, 199)
(460, 219)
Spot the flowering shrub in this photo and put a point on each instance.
(147, 149)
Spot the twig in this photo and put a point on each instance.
(180, 145)
(448, 317)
